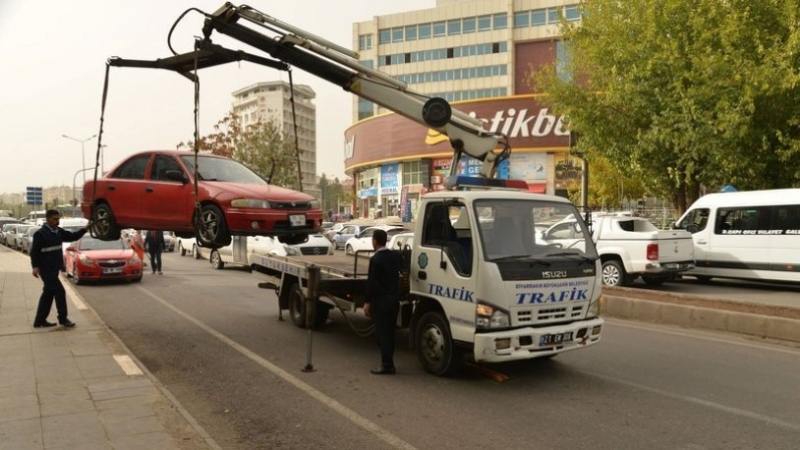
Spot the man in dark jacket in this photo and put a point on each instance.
(383, 299)
(154, 244)
(47, 260)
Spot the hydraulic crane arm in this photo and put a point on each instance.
(341, 67)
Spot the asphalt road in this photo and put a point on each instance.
(214, 340)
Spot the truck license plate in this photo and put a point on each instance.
(113, 270)
(555, 339)
(297, 220)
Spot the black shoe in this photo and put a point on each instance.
(383, 371)
(67, 323)
(44, 324)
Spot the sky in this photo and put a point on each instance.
(53, 67)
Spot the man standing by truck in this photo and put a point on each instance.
(383, 299)
(47, 259)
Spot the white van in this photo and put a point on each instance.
(753, 235)
(37, 217)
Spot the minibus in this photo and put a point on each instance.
(752, 235)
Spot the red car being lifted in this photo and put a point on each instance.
(154, 190)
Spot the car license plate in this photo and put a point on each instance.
(112, 270)
(555, 339)
(297, 220)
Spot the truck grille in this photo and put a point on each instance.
(542, 315)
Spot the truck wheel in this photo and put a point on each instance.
(297, 306)
(653, 281)
(613, 273)
(216, 260)
(434, 345)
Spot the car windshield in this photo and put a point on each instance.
(511, 229)
(222, 169)
(90, 243)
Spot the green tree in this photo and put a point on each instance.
(227, 132)
(270, 153)
(682, 94)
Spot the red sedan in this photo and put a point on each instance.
(93, 259)
(155, 191)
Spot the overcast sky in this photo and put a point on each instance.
(52, 68)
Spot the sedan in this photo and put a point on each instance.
(316, 244)
(349, 230)
(363, 240)
(155, 190)
(27, 239)
(93, 259)
(14, 235)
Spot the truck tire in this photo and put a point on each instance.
(216, 260)
(613, 273)
(297, 308)
(434, 345)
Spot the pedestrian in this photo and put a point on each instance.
(47, 260)
(154, 244)
(383, 299)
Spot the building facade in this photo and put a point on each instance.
(477, 55)
(266, 101)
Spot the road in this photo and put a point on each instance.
(214, 340)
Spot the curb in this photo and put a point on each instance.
(757, 320)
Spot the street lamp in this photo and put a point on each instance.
(73, 182)
(83, 155)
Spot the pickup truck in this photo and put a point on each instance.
(631, 247)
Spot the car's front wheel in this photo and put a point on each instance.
(216, 260)
(104, 226)
(349, 250)
(211, 228)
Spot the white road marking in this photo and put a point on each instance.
(344, 411)
(706, 403)
(733, 339)
(72, 295)
(128, 366)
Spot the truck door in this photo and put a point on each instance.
(445, 264)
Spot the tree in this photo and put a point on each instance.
(227, 132)
(682, 94)
(268, 152)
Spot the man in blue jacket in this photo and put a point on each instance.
(383, 298)
(47, 260)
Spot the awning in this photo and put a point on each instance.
(537, 188)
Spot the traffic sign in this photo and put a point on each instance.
(34, 195)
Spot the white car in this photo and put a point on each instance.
(400, 241)
(363, 240)
(187, 246)
(317, 244)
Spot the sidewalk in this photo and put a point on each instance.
(77, 388)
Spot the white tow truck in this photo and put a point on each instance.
(477, 278)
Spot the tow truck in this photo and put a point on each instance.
(476, 278)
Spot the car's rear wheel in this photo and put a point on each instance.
(349, 250)
(613, 273)
(195, 252)
(104, 226)
(181, 249)
(211, 228)
(216, 260)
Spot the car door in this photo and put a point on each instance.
(124, 190)
(167, 203)
(363, 240)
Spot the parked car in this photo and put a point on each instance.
(27, 239)
(187, 246)
(400, 240)
(15, 233)
(169, 241)
(232, 254)
(348, 230)
(93, 259)
(316, 244)
(154, 191)
(363, 240)
(7, 226)
(331, 232)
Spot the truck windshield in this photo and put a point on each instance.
(534, 229)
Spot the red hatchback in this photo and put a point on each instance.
(155, 191)
(93, 259)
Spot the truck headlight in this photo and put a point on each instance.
(489, 317)
(250, 203)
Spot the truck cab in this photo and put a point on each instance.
(482, 278)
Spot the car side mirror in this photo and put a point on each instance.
(177, 175)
